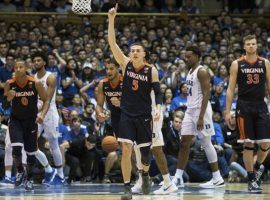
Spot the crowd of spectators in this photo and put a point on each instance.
(77, 55)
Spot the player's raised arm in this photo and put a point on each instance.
(117, 52)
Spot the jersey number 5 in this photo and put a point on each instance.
(253, 78)
(135, 85)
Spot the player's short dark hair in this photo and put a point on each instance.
(195, 50)
(40, 54)
(248, 37)
(112, 61)
(138, 44)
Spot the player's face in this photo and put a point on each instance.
(137, 53)
(191, 59)
(38, 63)
(250, 46)
(111, 71)
(20, 69)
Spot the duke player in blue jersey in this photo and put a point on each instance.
(136, 119)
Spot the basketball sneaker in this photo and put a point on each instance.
(166, 189)
(253, 187)
(29, 185)
(258, 175)
(213, 184)
(137, 188)
(146, 184)
(127, 193)
(19, 179)
(49, 177)
(57, 180)
(106, 179)
(7, 181)
(178, 182)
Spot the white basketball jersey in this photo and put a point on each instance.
(43, 81)
(194, 98)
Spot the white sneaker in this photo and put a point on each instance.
(213, 184)
(178, 182)
(166, 190)
(137, 188)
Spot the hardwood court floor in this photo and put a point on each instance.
(113, 192)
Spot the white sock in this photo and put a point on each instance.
(60, 172)
(140, 177)
(43, 161)
(179, 173)
(8, 173)
(167, 179)
(48, 168)
(216, 175)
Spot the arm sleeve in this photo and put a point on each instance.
(158, 94)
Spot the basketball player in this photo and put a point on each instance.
(251, 73)
(136, 119)
(21, 92)
(110, 90)
(50, 124)
(197, 120)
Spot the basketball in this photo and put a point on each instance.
(109, 144)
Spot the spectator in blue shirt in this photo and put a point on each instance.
(181, 100)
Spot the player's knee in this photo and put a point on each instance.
(157, 151)
(8, 150)
(145, 155)
(249, 148)
(53, 143)
(206, 142)
(112, 155)
(265, 147)
(126, 148)
(17, 151)
(185, 142)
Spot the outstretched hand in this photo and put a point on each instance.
(113, 11)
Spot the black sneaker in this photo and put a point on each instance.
(127, 194)
(19, 179)
(146, 184)
(258, 175)
(253, 187)
(28, 185)
(106, 179)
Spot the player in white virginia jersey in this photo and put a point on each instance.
(50, 124)
(197, 120)
(157, 150)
